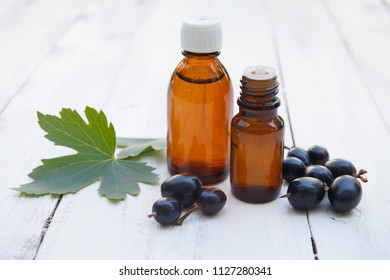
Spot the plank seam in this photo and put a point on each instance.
(313, 241)
(49, 219)
(46, 226)
(279, 66)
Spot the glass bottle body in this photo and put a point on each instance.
(256, 155)
(257, 138)
(199, 113)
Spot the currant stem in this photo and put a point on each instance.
(361, 175)
(286, 195)
(154, 214)
(181, 220)
(326, 187)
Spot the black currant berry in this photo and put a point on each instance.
(184, 187)
(318, 155)
(211, 201)
(293, 168)
(345, 193)
(305, 192)
(340, 167)
(320, 172)
(299, 153)
(166, 210)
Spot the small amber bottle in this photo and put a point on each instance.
(200, 99)
(257, 134)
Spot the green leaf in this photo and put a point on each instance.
(139, 146)
(95, 143)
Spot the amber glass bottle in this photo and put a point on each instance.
(200, 105)
(257, 134)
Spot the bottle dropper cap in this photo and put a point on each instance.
(201, 34)
(259, 72)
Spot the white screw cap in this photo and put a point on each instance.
(259, 72)
(201, 34)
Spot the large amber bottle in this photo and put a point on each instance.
(200, 104)
(257, 134)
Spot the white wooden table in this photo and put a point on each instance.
(333, 59)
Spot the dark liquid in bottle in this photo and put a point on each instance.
(199, 113)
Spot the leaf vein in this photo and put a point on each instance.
(79, 140)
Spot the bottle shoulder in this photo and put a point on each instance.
(201, 71)
(248, 123)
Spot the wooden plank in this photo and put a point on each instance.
(57, 82)
(330, 106)
(367, 45)
(29, 29)
(132, 91)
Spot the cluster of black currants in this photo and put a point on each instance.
(183, 191)
(311, 174)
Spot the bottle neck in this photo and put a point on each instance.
(258, 114)
(200, 56)
(259, 95)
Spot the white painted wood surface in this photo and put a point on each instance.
(118, 55)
